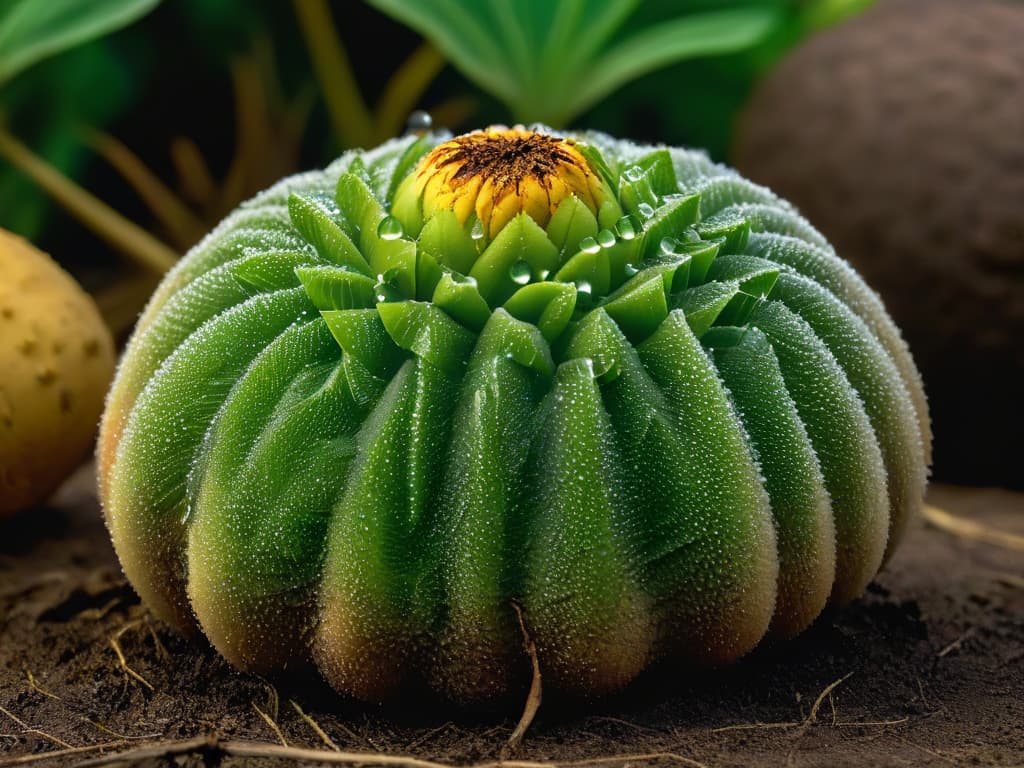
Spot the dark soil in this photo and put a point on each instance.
(926, 669)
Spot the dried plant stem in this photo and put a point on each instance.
(428, 735)
(122, 661)
(534, 696)
(1010, 580)
(971, 529)
(28, 729)
(255, 749)
(33, 685)
(124, 664)
(808, 721)
(153, 752)
(315, 726)
(956, 644)
(39, 757)
(273, 726)
(812, 716)
(115, 229)
(349, 114)
(198, 185)
(754, 727)
(866, 723)
(405, 89)
(184, 226)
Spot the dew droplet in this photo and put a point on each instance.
(645, 210)
(589, 245)
(634, 173)
(606, 238)
(625, 229)
(668, 246)
(583, 286)
(520, 272)
(419, 121)
(477, 230)
(389, 228)
(630, 270)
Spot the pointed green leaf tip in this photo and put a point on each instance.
(615, 384)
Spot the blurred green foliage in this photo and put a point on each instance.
(88, 85)
(677, 71)
(31, 31)
(548, 62)
(46, 96)
(696, 102)
(663, 70)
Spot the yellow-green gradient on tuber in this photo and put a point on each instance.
(616, 385)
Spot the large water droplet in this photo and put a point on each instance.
(630, 270)
(583, 286)
(606, 238)
(625, 229)
(419, 122)
(645, 210)
(477, 230)
(634, 173)
(668, 246)
(520, 272)
(389, 228)
(589, 245)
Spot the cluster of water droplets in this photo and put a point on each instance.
(643, 505)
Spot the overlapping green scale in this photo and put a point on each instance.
(665, 428)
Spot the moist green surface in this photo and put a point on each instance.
(663, 428)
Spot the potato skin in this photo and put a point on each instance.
(56, 361)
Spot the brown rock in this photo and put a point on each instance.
(900, 134)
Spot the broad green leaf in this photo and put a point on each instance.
(550, 61)
(31, 30)
(688, 37)
(460, 30)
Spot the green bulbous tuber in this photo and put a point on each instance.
(617, 384)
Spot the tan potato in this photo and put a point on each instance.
(56, 361)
